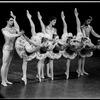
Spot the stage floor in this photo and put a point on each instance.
(87, 86)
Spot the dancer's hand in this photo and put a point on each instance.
(62, 15)
(21, 32)
(39, 16)
(28, 14)
(75, 11)
(11, 13)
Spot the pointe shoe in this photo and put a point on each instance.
(67, 75)
(39, 79)
(25, 80)
(4, 84)
(79, 73)
(85, 73)
(9, 82)
(43, 76)
(52, 77)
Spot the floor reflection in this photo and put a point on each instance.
(83, 87)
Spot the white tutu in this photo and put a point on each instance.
(23, 47)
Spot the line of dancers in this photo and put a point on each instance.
(46, 46)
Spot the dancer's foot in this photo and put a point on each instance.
(52, 77)
(39, 79)
(4, 83)
(84, 72)
(8, 82)
(79, 73)
(67, 75)
(43, 76)
(25, 80)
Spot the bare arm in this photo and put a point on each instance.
(31, 23)
(64, 23)
(94, 33)
(9, 34)
(15, 22)
(41, 22)
(77, 21)
(6, 33)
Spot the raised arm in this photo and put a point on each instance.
(94, 33)
(64, 23)
(15, 22)
(77, 21)
(31, 23)
(41, 23)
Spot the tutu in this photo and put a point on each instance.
(24, 49)
(72, 48)
(87, 51)
(89, 47)
(69, 52)
(56, 52)
(43, 51)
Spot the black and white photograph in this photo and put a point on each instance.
(49, 50)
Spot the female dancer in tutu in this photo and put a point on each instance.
(49, 31)
(69, 52)
(10, 32)
(27, 48)
(85, 52)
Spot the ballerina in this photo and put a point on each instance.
(67, 41)
(49, 32)
(28, 48)
(86, 29)
(10, 32)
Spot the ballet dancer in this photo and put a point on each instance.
(10, 32)
(49, 31)
(66, 39)
(86, 29)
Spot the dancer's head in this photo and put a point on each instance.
(53, 20)
(88, 21)
(10, 22)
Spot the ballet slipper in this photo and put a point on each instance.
(25, 80)
(67, 75)
(85, 73)
(43, 76)
(39, 79)
(8, 82)
(52, 77)
(4, 84)
(78, 72)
